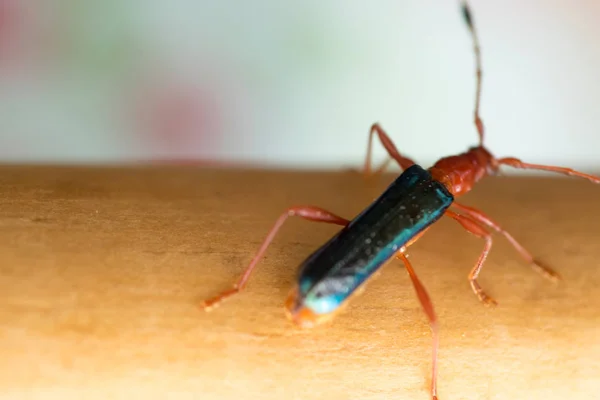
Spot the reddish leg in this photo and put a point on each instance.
(428, 308)
(516, 163)
(537, 265)
(477, 230)
(389, 146)
(307, 212)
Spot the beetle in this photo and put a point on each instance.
(411, 204)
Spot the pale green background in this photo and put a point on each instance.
(299, 83)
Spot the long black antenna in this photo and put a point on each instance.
(471, 25)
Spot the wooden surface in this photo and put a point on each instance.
(102, 271)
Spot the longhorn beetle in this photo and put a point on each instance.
(396, 219)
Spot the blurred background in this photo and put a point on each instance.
(264, 83)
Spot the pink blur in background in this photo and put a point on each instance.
(270, 84)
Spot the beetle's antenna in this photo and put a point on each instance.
(471, 25)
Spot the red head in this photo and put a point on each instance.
(459, 173)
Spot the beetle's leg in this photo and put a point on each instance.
(537, 265)
(516, 163)
(477, 230)
(427, 305)
(391, 149)
(307, 212)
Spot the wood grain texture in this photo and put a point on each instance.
(102, 271)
